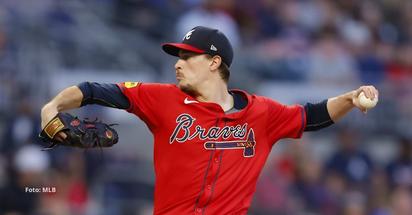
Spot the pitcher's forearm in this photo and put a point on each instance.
(67, 99)
(340, 105)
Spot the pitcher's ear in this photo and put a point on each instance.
(215, 62)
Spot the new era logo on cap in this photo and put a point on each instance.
(203, 40)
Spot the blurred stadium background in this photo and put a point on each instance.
(294, 51)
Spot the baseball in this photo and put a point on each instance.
(366, 102)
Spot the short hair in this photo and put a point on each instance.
(224, 72)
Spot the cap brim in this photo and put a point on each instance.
(174, 48)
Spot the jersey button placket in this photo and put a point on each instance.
(198, 211)
(207, 192)
(213, 176)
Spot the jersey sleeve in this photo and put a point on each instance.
(285, 121)
(144, 99)
(105, 94)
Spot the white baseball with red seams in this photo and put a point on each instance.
(366, 102)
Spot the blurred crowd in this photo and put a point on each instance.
(349, 181)
(350, 169)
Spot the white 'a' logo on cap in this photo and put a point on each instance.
(213, 48)
(187, 36)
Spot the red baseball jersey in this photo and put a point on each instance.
(207, 161)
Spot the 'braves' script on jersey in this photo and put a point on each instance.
(185, 122)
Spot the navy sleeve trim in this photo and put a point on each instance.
(303, 113)
(317, 116)
(108, 95)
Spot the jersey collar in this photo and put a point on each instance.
(219, 111)
(242, 112)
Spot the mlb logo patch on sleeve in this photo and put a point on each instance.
(130, 84)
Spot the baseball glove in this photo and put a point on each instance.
(80, 133)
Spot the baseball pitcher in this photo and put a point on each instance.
(210, 143)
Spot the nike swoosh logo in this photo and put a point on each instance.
(187, 101)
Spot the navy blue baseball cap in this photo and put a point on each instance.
(203, 40)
